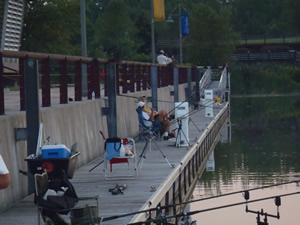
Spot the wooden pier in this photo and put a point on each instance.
(156, 184)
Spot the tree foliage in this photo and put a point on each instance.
(212, 39)
(51, 26)
(122, 28)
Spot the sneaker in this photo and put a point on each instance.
(166, 138)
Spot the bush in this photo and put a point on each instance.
(264, 78)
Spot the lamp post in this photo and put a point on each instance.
(83, 46)
(170, 20)
(180, 35)
(152, 32)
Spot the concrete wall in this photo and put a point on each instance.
(67, 124)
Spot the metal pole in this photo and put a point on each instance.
(83, 47)
(180, 35)
(112, 100)
(189, 79)
(32, 112)
(152, 32)
(176, 82)
(154, 87)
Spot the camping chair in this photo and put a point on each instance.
(51, 207)
(150, 133)
(147, 131)
(116, 151)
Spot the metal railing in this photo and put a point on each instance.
(270, 39)
(264, 56)
(178, 187)
(65, 70)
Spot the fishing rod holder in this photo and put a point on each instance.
(182, 118)
(277, 200)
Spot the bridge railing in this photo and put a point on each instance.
(270, 39)
(223, 80)
(63, 71)
(264, 56)
(179, 184)
(206, 79)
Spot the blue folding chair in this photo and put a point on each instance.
(149, 133)
(144, 130)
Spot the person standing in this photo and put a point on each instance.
(162, 59)
(4, 174)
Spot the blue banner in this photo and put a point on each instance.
(185, 28)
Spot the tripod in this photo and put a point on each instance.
(149, 140)
(179, 132)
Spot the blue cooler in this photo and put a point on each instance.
(55, 151)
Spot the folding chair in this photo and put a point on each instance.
(59, 205)
(150, 133)
(115, 153)
(144, 130)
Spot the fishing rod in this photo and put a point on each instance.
(211, 209)
(191, 112)
(127, 96)
(198, 200)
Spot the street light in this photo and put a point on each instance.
(83, 46)
(170, 20)
(152, 32)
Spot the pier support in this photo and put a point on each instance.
(32, 112)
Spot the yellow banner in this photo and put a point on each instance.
(159, 10)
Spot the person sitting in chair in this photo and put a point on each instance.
(151, 116)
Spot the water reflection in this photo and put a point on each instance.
(264, 150)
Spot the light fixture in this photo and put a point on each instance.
(170, 20)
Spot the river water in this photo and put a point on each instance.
(264, 150)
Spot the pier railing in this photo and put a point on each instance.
(64, 70)
(179, 185)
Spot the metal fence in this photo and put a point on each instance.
(264, 56)
(63, 70)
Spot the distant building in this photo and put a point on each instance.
(11, 23)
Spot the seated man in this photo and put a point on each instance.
(4, 174)
(151, 115)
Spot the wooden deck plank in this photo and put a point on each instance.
(151, 175)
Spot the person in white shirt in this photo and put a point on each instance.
(4, 174)
(151, 115)
(162, 59)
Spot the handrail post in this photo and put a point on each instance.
(132, 78)
(63, 86)
(189, 81)
(22, 84)
(46, 99)
(94, 73)
(112, 99)
(2, 111)
(78, 81)
(197, 78)
(32, 111)
(176, 82)
(154, 87)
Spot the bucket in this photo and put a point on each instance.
(83, 216)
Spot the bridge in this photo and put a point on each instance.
(69, 116)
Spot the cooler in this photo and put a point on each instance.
(55, 151)
(53, 165)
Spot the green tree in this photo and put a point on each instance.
(115, 34)
(211, 40)
(52, 26)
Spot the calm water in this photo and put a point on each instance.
(265, 149)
